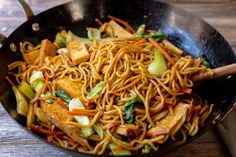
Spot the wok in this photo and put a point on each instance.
(188, 32)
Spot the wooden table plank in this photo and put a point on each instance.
(14, 141)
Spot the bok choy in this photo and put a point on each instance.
(158, 65)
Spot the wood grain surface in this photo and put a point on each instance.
(15, 141)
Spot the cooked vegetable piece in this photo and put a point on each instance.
(157, 35)
(22, 107)
(26, 90)
(204, 60)
(117, 152)
(49, 101)
(98, 88)
(63, 95)
(93, 33)
(78, 52)
(147, 149)
(129, 110)
(141, 30)
(60, 40)
(35, 76)
(36, 80)
(162, 50)
(83, 120)
(30, 117)
(71, 37)
(97, 130)
(158, 65)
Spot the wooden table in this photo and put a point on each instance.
(14, 141)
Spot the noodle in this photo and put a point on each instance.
(126, 104)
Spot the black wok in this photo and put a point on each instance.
(186, 31)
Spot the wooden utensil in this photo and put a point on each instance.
(216, 73)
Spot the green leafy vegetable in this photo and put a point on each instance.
(98, 88)
(129, 110)
(63, 95)
(158, 65)
(26, 90)
(119, 152)
(204, 60)
(157, 35)
(147, 149)
(22, 107)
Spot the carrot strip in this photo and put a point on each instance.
(44, 131)
(197, 108)
(92, 55)
(81, 113)
(162, 50)
(129, 85)
(49, 138)
(167, 102)
(117, 148)
(99, 22)
(44, 88)
(36, 104)
(60, 102)
(139, 42)
(187, 90)
(9, 81)
(122, 22)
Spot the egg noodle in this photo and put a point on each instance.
(127, 108)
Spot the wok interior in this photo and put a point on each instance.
(186, 31)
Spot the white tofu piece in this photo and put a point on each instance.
(115, 30)
(171, 121)
(78, 52)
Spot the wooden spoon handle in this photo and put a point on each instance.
(216, 73)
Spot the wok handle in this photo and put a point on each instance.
(28, 11)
